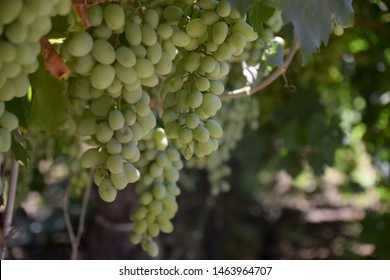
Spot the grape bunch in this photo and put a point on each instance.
(116, 62)
(235, 114)
(22, 24)
(207, 34)
(157, 190)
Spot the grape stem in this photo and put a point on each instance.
(248, 91)
(9, 209)
(75, 239)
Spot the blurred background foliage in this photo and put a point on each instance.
(312, 182)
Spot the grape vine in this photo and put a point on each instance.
(147, 85)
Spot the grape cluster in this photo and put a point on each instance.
(116, 60)
(234, 114)
(157, 190)
(22, 24)
(207, 35)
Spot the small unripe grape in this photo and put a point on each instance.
(106, 190)
(103, 51)
(104, 133)
(125, 56)
(80, 44)
(114, 164)
(5, 140)
(131, 172)
(119, 180)
(214, 128)
(196, 28)
(95, 15)
(116, 119)
(133, 33)
(102, 76)
(9, 120)
(219, 32)
(90, 158)
(114, 16)
(201, 134)
(173, 13)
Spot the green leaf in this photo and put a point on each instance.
(49, 104)
(21, 148)
(60, 24)
(258, 14)
(312, 20)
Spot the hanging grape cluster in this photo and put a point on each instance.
(207, 34)
(22, 24)
(157, 190)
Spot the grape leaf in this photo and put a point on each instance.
(312, 19)
(21, 148)
(48, 105)
(258, 14)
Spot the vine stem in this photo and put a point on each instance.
(9, 209)
(76, 238)
(247, 91)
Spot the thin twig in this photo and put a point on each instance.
(68, 221)
(9, 209)
(75, 239)
(276, 74)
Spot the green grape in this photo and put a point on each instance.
(167, 227)
(7, 51)
(133, 33)
(153, 231)
(132, 97)
(211, 104)
(114, 164)
(95, 15)
(152, 17)
(102, 76)
(192, 62)
(9, 10)
(104, 133)
(196, 28)
(131, 172)
(101, 106)
(124, 135)
(219, 32)
(140, 213)
(201, 134)
(90, 158)
(9, 121)
(202, 83)
(164, 30)
(149, 36)
(164, 65)
(114, 147)
(114, 16)
(79, 44)
(208, 4)
(135, 238)
(116, 120)
(16, 32)
(192, 121)
(5, 140)
(125, 56)
(214, 128)
(82, 65)
(154, 53)
(155, 207)
(126, 75)
(103, 52)
(209, 17)
(223, 8)
(144, 68)
(173, 13)
(180, 38)
(151, 248)
(119, 180)
(106, 191)
(102, 32)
